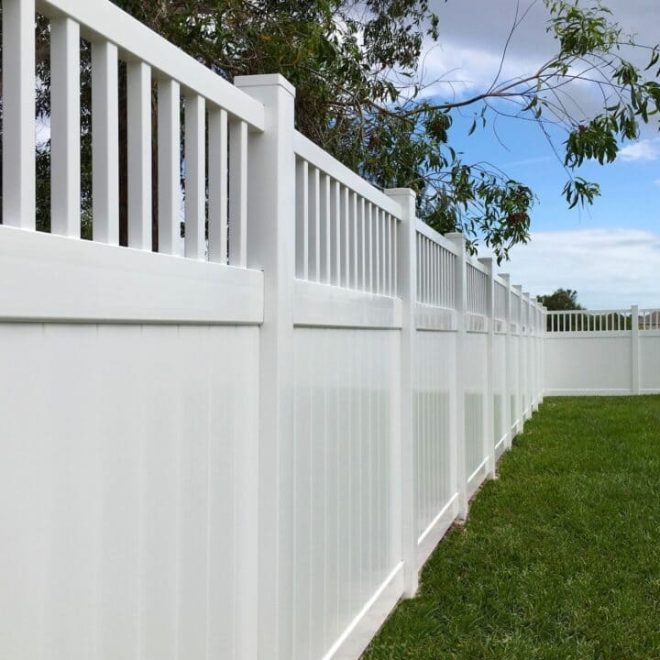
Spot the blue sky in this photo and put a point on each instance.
(630, 187)
(609, 252)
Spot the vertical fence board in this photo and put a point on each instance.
(302, 219)
(105, 143)
(195, 166)
(337, 229)
(326, 216)
(18, 96)
(139, 155)
(218, 182)
(169, 165)
(355, 247)
(346, 231)
(65, 127)
(238, 192)
(314, 182)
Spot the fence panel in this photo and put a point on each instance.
(435, 394)
(649, 361)
(526, 359)
(499, 392)
(346, 346)
(345, 547)
(514, 384)
(128, 463)
(588, 364)
(129, 476)
(347, 568)
(602, 352)
(475, 401)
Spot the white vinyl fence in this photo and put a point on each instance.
(602, 352)
(247, 451)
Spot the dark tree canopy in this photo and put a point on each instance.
(356, 69)
(560, 300)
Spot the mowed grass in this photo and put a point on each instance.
(560, 557)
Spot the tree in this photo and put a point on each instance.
(563, 300)
(560, 300)
(359, 95)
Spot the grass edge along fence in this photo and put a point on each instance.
(541, 568)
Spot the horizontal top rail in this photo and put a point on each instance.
(433, 235)
(591, 312)
(499, 280)
(476, 264)
(322, 160)
(135, 41)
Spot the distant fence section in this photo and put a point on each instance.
(239, 430)
(602, 352)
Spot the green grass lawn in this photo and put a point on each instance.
(560, 557)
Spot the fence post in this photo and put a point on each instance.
(18, 164)
(634, 335)
(544, 329)
(506, 413)
(489, 408)
(458, 450)
(271, 248)
(407, 268)
(524, 361)
(519, 405)
(532, 359)
(538, 340)
(534, 342)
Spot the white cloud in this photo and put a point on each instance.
(485, 25)
(643, 150)
(610, 268)
(473, 34)
(453, 70)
